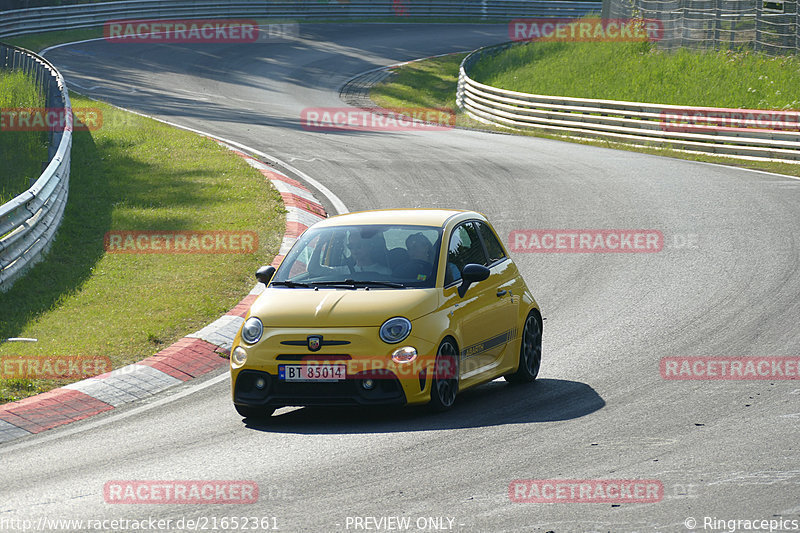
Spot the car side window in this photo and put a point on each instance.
(493, 246)
(464, 248)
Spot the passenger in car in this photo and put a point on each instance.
(369, 253)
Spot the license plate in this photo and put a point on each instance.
(312, 372)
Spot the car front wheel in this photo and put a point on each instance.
(530, 352)
(445, 377)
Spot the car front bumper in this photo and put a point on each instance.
(392, 383)
(386, 389)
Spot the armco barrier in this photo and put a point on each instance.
(16, 22)
(631, 122)
(29, 221)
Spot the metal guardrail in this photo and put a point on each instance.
(17, 22)
(629, 122)
(29, 221)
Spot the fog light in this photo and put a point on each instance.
(261, 383)
(368, 384)
(239, 356)
(406, 354)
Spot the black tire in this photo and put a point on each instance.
(248, 411)
(530, 351)
(444, 387)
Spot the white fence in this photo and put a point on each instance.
(768, 26)
(729, 132)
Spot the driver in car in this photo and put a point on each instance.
(420, 252)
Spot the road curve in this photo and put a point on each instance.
(722, 449)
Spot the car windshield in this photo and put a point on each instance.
(374, 256)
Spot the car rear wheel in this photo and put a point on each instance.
(248, 411)
(530, 352)
(445, 377)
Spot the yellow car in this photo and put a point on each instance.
(388, 307)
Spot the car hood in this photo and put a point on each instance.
(279, 307)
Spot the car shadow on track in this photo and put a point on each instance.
(492, 404)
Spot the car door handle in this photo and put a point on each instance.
(501, 293)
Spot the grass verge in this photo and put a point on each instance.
(433, 83)
(135, 173)
(37, 42)
(430, 83)
(638, 72)
(22, 153)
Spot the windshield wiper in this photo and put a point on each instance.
(291, 284)
(353, 283)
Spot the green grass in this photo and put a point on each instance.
(430, 83)
(39, 41)
(22, 153)
(137, 174)
(433, 82)
(637, 72)
(427, 83)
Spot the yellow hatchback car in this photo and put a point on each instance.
(389, 307)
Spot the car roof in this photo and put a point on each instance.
(411, 217)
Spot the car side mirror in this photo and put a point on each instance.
(472, 273)
(264, 274)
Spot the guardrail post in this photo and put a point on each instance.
(53, 100)
(606, 9)
(757, 42)
(796, 25)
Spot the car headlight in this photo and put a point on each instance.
(239, 356)
(252, 330)
(395, 329)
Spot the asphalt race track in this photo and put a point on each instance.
(601, 410)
